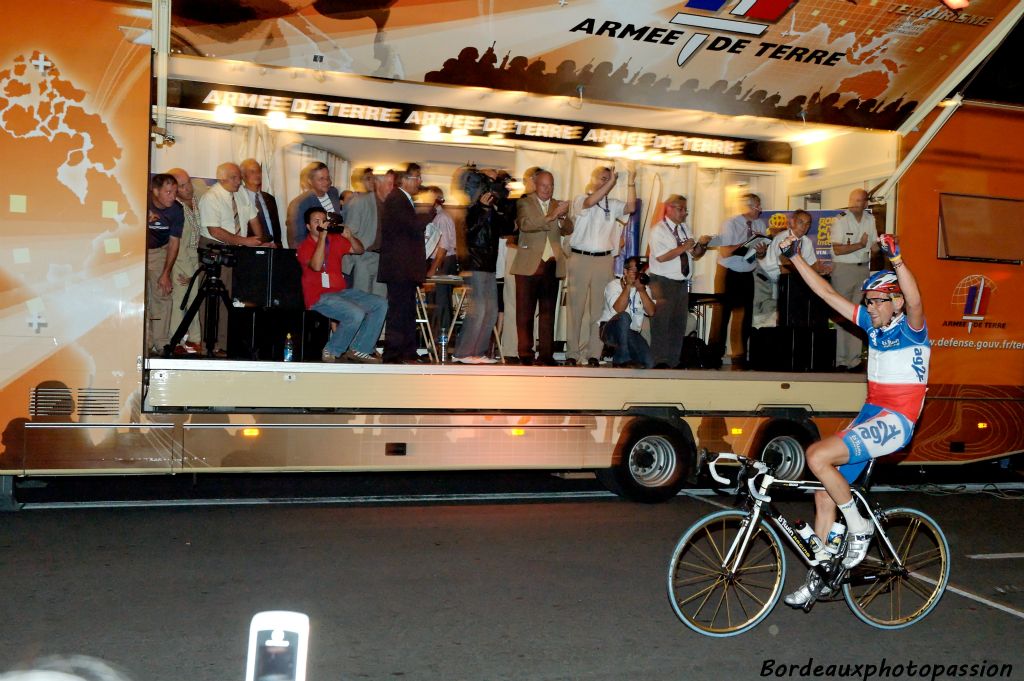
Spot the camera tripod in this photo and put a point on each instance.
(213, 292)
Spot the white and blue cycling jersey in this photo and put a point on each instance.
(898, 357)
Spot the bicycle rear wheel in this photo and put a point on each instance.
(887, 596)
(710, 599)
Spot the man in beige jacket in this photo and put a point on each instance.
(538, 265)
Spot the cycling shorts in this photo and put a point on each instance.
(875, 432)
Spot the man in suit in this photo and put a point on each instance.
(361, 214)
(403, 265)
(266, 204)
(320, 193)
(538, 265)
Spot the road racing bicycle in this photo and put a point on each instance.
(728, 570)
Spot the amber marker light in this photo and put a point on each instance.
(982, 425)
(250, 432)
(735, 431)
(518, 432)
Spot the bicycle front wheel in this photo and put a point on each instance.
(706, 594)
(891, 595)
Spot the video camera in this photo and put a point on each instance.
(476, 183)
(335, 225)
(218, 254)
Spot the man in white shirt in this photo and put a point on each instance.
(766, 277)
(442, 262)
(853, 238)
(738, 263)
(228, 217)
(626, 302)
(673, 252)
(595, 241)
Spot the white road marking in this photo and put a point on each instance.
(974, 597)
(704, 495)
(995, 556)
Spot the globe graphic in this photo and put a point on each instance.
(964, 286)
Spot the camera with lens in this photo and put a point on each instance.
(335, 225)
(477, 182)
(643, 277)
(218, 254)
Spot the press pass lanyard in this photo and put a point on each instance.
(325, 277)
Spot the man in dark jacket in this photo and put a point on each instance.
(486, 222)
(403, 266)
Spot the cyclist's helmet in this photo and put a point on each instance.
(884, 281)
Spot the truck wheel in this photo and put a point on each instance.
(786, 453)
(652, 468)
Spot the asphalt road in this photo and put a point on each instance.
(525, 591)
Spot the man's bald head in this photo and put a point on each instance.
(185, 189)
(858, 202)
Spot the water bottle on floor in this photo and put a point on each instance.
(442, 343)
(289, 349)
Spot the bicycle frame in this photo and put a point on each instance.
(763, 506)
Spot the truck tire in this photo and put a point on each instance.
(652, 467)
(784, 447)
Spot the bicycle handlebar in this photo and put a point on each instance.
(759, 466)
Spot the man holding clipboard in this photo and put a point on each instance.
(742, 241)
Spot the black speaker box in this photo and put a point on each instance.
(268, 277)
(788, 349)
(799, 306)
(260, 334)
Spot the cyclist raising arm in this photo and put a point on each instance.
(898, 353)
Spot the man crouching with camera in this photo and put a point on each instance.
(626, 302)
(357, 316)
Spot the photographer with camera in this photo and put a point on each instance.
(626, 302)
(359, 316)
(673, 252)
(487, 220)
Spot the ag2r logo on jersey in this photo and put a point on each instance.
(761, 10)
(880, 431)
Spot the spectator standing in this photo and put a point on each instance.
(595, 241)
(164, 224)
(853, 239)
(673, 252)
(738, 263)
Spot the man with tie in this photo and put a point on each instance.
(737, 264)
(673, 252)
(403, 265)
(227, 216)
(538, 265)
(265, 203)
(597, 235)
